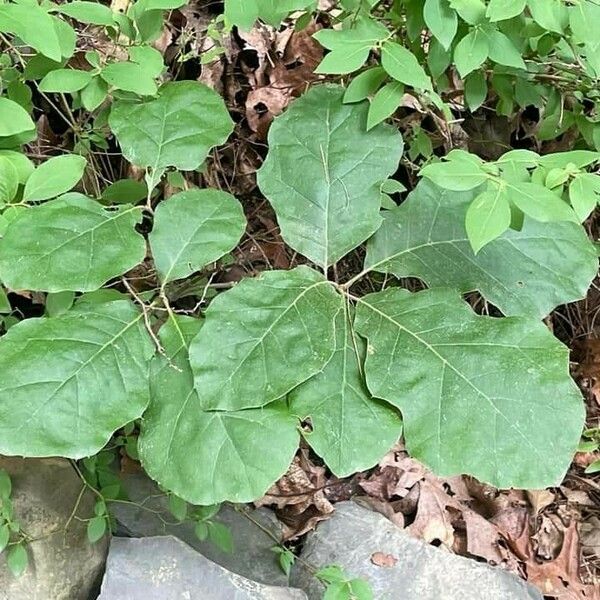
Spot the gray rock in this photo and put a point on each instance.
(422, 572)
(164, 568)
(252, 556)
(63, 565)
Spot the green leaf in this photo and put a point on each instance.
(539, 202)
(65, 80)
(584, 194)
(402, 65)
(176, 130)
(178, 436)
(70, 244)
(561, 160)
(59, 303)
(125, 191)
(14, 119)
(96, 528)
(476, 90)
(349, 47)
(17, 560)
(441, 20)
(351, 431)
(500, 10)
(471, 52)
(549, 14)
(459, 175)
(364, 85)
(526, 272)
(331, 205)
(53, 177)
(5, 307)
(33, 25)
(593, 468)
(4, 537)
(94, 93)
(472, 11)
(201, 530)
(178, 507)
(244, 13)
(5, 485)
(9, 181)
(88, 12)
(385, 103)
(20, 162)
(193, 229)
(488, 217)
(488, 397)
(240, 363)
(69, 382)
(149, 59)
(220, 535)
(130, 77)
(503, 51)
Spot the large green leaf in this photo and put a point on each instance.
(192, 229)
(69, 382)
(489, 397)
(263, 338)
(209, 457)
(527, 272)
(71, 243)
(177, 129)
(351, 430)
(323, 172)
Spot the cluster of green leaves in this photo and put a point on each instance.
(339, 586)
(11, 538)
(519, 183)
(215, 395)
(529, 52)
(477, 395)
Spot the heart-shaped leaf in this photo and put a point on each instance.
(331, 204)
(178, 129)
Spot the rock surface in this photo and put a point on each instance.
(63, 565)
(164, 568)
(251, 557)
(421, 572)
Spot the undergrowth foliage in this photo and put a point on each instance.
(224, 396)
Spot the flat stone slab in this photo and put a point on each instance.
(252, 556)
(165, 568)
(415, 571)
(47, 494)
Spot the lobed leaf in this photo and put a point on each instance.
(488, 397)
